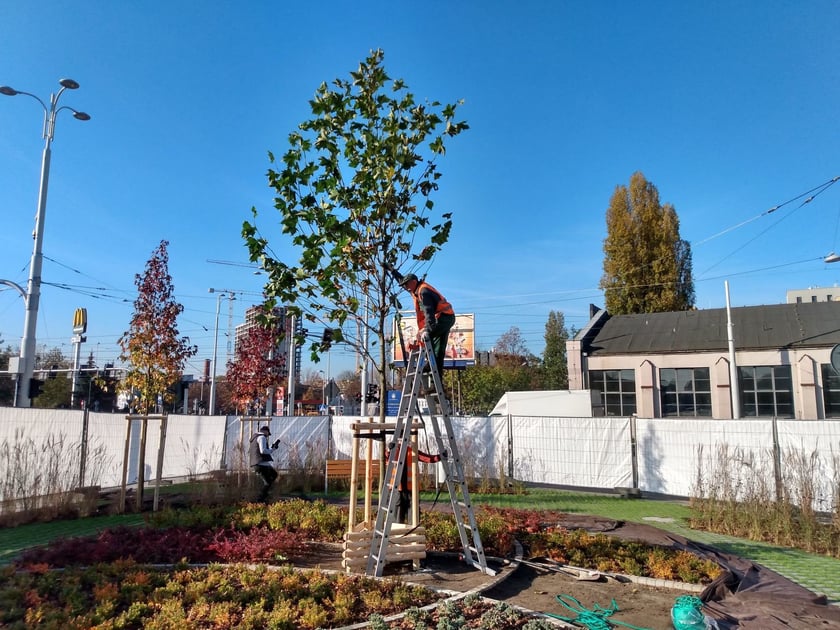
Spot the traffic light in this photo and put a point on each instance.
(35, 386)
(372, 393)
(326, 339)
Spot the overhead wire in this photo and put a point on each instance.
(809, 195)
(821, 188)
(104, 293)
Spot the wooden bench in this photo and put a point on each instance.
(342, 468)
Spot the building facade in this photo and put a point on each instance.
(679, 364)
(282, 349)
(813, 294)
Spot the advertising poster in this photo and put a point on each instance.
(460, 349)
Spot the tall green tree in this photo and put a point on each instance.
(513, 369)
(55, 389)
(354, 192)
(647, 266)
(480, 387)
(151, 346)
(555, 367)
(55, 393)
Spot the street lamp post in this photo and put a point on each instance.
(33, 287)
(220, 293)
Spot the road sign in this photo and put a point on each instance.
(392, 402)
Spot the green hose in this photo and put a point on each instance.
(595, 619)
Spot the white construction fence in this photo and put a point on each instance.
(44, 451)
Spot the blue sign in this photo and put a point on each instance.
(392, 402)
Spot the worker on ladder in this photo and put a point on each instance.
(435, 316)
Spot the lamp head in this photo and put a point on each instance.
(5, 89)
(80, 115)
(70, 84)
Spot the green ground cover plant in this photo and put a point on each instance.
(102, 582)
(124, 594)
(282, 532)
(128, 595)
(610, 555)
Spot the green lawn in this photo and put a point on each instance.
(608, 506)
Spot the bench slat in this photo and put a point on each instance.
(339, 468)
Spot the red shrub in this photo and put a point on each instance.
(261, 544)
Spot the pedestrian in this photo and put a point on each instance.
(261, 460)
(435, 316)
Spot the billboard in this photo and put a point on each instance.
(460, 348)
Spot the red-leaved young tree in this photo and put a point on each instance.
(151, 346)
(257, 366)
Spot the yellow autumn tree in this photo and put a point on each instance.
(647, 266)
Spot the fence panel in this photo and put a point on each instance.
(585, 452)
(193, 445)
(481, 441)
(40, 451)
(303, 441)
(106, 444)
(675, 455)
(809, 453)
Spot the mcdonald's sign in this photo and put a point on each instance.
(80, 321)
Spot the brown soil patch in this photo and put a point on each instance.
(524, 586)
(638, 605)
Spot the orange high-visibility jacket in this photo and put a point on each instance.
(435, 306)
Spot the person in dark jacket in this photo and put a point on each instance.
(435, 316)
(262, 461)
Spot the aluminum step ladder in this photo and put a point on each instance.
(422, 360)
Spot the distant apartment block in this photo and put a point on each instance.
(813, 294)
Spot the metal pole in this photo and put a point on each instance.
(77, 350)
(364, 380)
(291, 363)
(269, 400)
(215, 353)
(33, 286)
(84, 445)
(733, 368)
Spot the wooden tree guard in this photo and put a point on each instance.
(407, 541)
(141, 460)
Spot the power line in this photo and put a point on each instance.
(809, 195)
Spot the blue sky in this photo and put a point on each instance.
(728, 108)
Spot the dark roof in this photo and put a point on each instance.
(777, 326)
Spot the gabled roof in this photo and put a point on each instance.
(773, 327)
